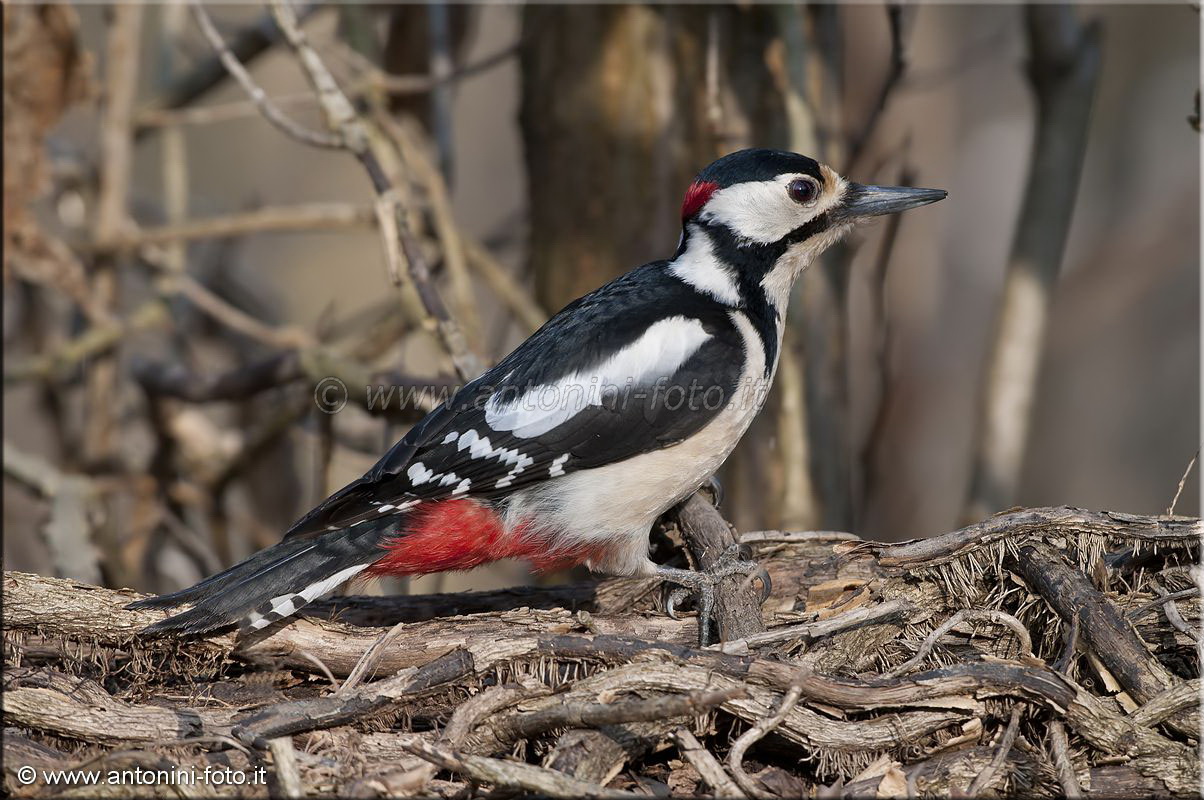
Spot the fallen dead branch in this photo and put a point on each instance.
(587, 690)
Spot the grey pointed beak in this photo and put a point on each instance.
(872, 201)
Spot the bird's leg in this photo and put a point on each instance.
(732, 562)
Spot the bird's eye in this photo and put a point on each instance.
(802, 191)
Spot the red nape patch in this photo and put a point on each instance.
(696, 197)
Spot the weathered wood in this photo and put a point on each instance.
(593, 692)
(709, 536)
(330, 712)
(1016, 525)
(1103, 628)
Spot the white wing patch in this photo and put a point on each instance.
(660, 352)
(419, 474)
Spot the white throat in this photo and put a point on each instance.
(778, 282)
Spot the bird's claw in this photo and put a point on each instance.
(766, 583)
(732, 562)
(673, 598)
(714, 488)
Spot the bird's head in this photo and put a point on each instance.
(760, 216)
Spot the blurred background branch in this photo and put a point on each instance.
(1063, 69)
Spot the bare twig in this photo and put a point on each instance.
(1162, 707)
(527, 725)
(370, 658)
(1145, 608)
(1059, 749)
(374, 80)
(247, 45)
(735, 757)
(452, 243)
(321, 665)
(985, 615)
(1170, 510)
(708, 766)
(898, 66)
(870, 615)
(95, 341)
(1173, 616)
(399, 240)
(985, 777)
(501, 283)
(258, 96)
(234, 318)
(288, 775)
(512, 774)
(1028, 525)
(309, 217)
(100, 435)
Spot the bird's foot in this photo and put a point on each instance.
(733, 562)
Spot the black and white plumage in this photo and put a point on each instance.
(619, 407)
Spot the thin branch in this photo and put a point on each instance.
(1181, 697)
(233, 317)
(247, 45)
(1170, 511)
(341, 117)
(174, 380)
(513, 774)
(709, 768)
(985, 777)
(1173, 616)
(870, 615)
(288, 775)
(735, 757)
(1145, 608)
(95, 341)
(309, 217)
(569, 715)
(258, 96)
(898, 66)
(1059, 749)
(986, 615)
(368, 661)
(1064, 65)
(521, 302)
(374, 80)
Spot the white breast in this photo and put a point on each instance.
(615, 505)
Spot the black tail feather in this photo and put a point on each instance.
(272, 584)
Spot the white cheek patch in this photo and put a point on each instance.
(660, 352)
(762, 212)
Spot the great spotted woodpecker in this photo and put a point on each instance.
(569, 449)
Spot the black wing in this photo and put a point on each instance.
(498, 433)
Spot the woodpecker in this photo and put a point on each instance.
(569, 449)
